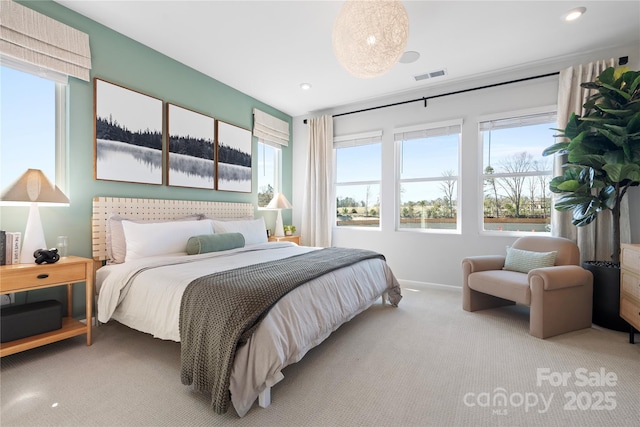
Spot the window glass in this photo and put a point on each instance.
(358, 172)
(515, 174)
(428, 184)
(28, 131)
(268, 173)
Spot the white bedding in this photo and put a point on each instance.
(150, 302)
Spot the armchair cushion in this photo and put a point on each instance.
(525, 261)
(509, 285)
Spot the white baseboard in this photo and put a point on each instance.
(413, 283)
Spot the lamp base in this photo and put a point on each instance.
(33, 236)
(279, 232)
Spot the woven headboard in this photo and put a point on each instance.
(154, 210)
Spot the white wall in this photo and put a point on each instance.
(429, 257)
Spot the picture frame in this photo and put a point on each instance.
(190, 148)
(128, 135)
(233, 158)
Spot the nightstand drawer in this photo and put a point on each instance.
(630, 258)
(630, 284)
(15, 279)
(630, 311)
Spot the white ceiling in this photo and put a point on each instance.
(266, 49)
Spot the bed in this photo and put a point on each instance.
(149, 285)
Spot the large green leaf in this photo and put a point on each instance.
(635, 83)
(607, 76)
(613, 112)
(560, 147)
(571, 130)
(622, 93)
(634, 124)
(607, 197)
(570, 185)
(616, 139)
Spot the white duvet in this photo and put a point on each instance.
(145, 295)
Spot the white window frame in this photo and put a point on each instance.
(548, 109)
(355, 140)
(426, 127)
(277, 166)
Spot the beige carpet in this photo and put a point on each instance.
(425, 363)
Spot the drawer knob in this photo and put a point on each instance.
(43, 276)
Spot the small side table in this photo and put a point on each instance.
(293, 238)
(27, 277)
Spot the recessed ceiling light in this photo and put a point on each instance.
(409, 56)
(305, 86)
(574, 14)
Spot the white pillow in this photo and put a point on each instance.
(254, 230)
(116, 245)
(161, 238)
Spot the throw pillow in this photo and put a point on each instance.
(525, 261)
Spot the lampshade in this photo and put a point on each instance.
(369, 37)
(32, 188)
(279, 202)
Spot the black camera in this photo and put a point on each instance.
(48, 256)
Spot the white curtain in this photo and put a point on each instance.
(594, 240)
(319, 198)
(27, 36)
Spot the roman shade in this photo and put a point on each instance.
(355, 140)
(511, 122)
(27, 36)
(270, 130)
(427, 130)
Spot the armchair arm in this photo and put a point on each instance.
(559, 277)
(483, 263)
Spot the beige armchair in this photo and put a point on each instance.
(559, 297)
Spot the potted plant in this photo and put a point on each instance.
(603, 152)
(289, 230)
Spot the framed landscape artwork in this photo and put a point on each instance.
(128, 135)
(190, 159)
(234, 158)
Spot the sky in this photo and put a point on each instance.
(183, 122)
(27, 124)
(131, 109)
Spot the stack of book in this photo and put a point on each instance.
(10, 247)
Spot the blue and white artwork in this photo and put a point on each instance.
(191, 148)
(128, 135)
(234, 158)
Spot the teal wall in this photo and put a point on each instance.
(119, 59)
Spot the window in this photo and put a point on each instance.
(428, 157)
(268, 172)
(515, 175)
(358, 172)
(33, 126)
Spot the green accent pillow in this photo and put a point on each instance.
(214, 242)
(525, 261)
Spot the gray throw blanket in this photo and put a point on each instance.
(219, 312)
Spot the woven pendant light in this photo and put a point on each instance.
(369, 36)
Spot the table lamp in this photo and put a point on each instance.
(32, 188)
(279, 202)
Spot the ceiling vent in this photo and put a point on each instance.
(431, 75)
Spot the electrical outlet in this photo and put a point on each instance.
(8, 299)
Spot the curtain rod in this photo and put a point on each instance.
(425, 98)
(623, 60)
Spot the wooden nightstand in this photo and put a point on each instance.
(27, 277)
(295, 239)
(630, 287)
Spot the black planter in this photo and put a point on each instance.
(606, 295)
